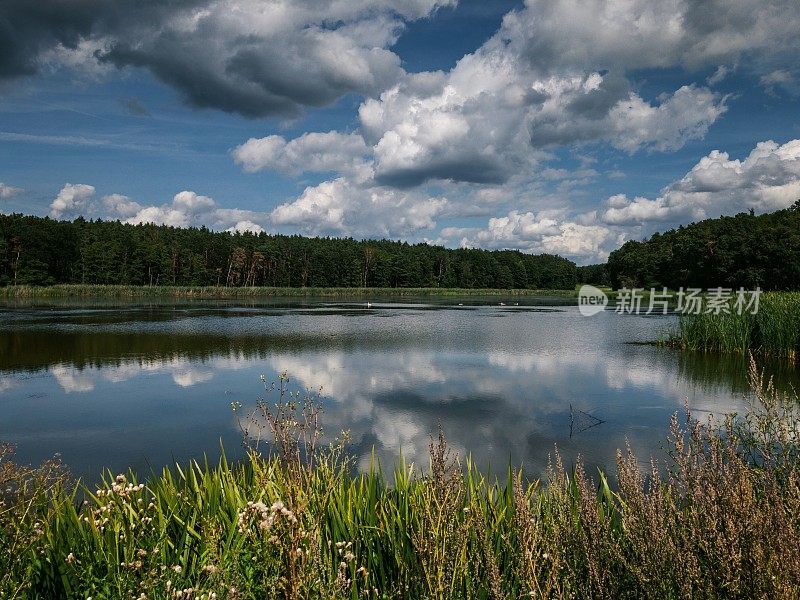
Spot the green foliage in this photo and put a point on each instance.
(773, 331)
(594, 274)
(212, 292)
(40, 251)
(740, 251)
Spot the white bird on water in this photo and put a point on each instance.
(369, 304)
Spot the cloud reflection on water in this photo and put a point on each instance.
(149, 391)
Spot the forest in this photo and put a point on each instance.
(43, 251)
(744, 250)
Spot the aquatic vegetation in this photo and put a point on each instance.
(720, 517)
(773, 331)
(22, 292)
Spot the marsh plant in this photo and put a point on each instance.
(26, 509)
(718, 516)
(774, 331)
(284, 446)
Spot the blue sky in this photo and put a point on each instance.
(545, 126)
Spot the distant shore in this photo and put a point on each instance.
(222, 293)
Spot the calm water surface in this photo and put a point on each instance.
(143, 385)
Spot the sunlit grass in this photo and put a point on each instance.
(773, 331)
(214, 292)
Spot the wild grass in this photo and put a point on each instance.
(718, 518)
(773, 331)
(218, 292)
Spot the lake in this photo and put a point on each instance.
(142, 385)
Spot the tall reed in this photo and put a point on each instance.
(773, 331)
(219, 292)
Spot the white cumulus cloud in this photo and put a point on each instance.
(331, 151)
(493, 115)
(245, 227)
(539, 233)
(71, 200)
(344, 208)
(641, 34)
(767, 179)
(187, 209)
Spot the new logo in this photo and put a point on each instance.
(591, 300)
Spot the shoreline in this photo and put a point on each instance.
(82, 291)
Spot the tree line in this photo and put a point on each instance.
(744, 250)
(43, 251)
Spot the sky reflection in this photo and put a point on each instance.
(115, 387)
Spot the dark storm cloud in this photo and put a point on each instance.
(30, 27)
(176, 63)
(585, 115)
(474, 169)
(247, 57)
(27, 28)
(596, 103)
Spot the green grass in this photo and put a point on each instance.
(724, 525)
(211, 292)
(773, 331)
